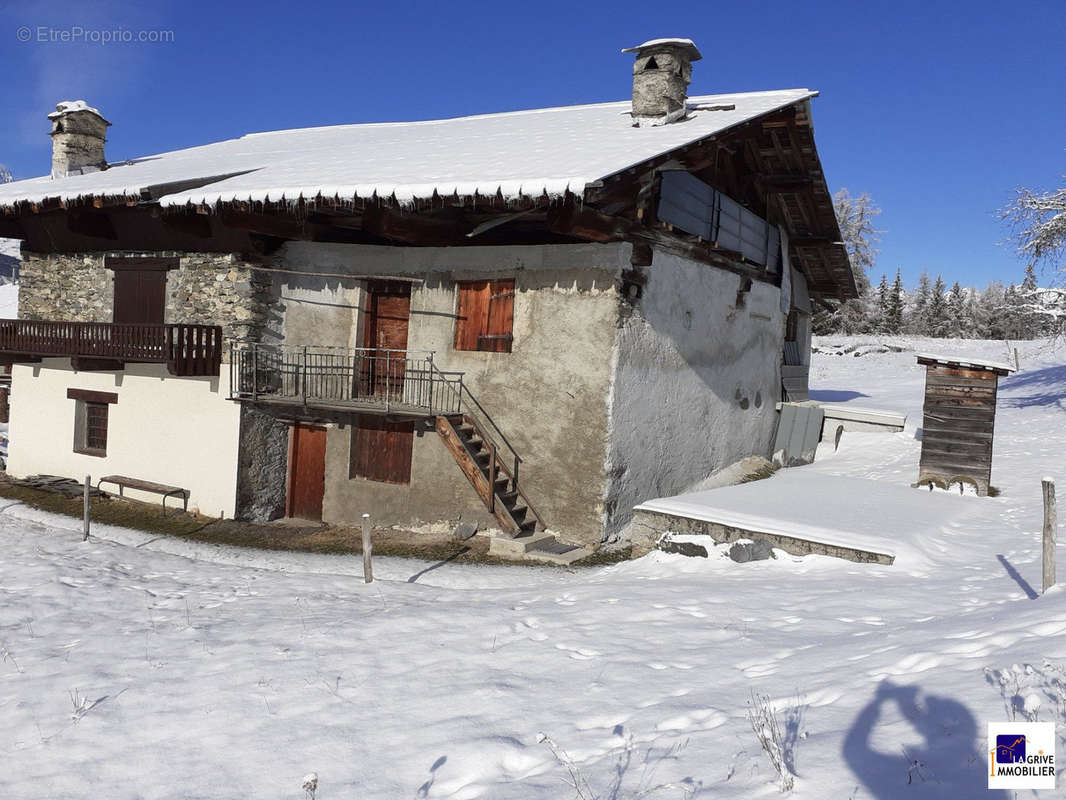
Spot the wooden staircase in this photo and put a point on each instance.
(496, 482)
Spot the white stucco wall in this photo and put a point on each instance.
(178, 431)
(695, 383)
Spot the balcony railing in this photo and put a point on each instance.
(187, 350)
(371, 380)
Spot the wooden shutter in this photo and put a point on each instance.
(500, 318)
(140, 296)
(381, 450)
(485, 318)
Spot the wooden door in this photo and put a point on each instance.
(140, 296)
(388, 312)
(307, 471)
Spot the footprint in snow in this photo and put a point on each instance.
(578, 653)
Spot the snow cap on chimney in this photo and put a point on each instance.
(661, 74)
(78, 135)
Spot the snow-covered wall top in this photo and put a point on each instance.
(549, 150)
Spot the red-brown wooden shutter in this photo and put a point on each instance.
(380, 450)
(485, 316)
(500, 318)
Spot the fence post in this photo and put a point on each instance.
(85, 510)
(1050, 525)
(368, 551)
(303, 378)
(430, 360)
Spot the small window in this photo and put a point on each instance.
(485, 316)
(90, 420)
(90, 436)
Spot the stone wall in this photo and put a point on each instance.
(68, 288)
(206, 289)
(213, 289)
(262, 464)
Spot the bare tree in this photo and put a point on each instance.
(855, 216)
(1038, 225)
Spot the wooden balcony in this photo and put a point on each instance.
(187, 350)
(364, 380)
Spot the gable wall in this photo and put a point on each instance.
(695, 384)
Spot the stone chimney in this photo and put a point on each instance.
(661, 75)
(78, 135)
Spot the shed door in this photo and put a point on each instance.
(307, 471)
(140, 296)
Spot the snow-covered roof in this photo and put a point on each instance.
(957, 361)
(531, 153)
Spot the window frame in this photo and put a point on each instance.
(86, 403)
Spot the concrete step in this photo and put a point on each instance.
(556, 552)
(516, 547)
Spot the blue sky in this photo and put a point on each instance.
(936, 109)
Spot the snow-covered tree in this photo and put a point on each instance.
(958, 323)
(896, 299)
(5, 174)
(879, 324)
(1038, 223)
(938, 322)
(916, 320)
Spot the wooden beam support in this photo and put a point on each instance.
(587, 223)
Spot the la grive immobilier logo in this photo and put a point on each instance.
(1021, 755)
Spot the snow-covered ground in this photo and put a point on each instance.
(9, 301)
(134, 666)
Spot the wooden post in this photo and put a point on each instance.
(85, 510)
(1017, 363)
(1050, 525)
(368, 551)
(492, 480)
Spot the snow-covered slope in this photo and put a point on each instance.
(142, 672)
(10, 255)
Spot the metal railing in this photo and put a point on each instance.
(362, 378)
(185, 349)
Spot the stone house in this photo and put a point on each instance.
(531, 320)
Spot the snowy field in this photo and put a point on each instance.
(134, 666)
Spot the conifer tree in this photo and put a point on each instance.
(895, 305)
(937, 314)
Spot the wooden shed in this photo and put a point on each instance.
(959, 421)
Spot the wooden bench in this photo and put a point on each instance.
(123, 482)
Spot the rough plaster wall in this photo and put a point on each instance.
(262, 462)
(319, 311)
(695, 385)
(548, 395)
